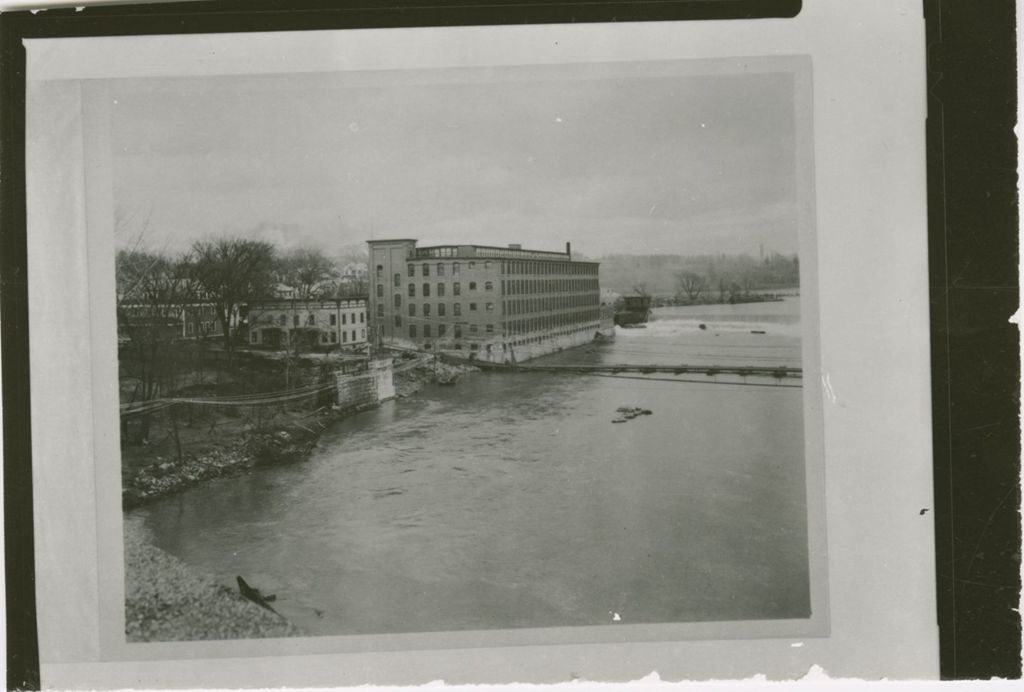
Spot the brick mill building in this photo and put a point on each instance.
(499, 304)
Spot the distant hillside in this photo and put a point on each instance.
(671, 275)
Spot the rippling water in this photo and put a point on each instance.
(511, 500)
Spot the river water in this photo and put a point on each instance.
(511, 500)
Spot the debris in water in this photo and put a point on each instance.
(627, 413)
(703, 326)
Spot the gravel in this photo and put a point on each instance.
(165, 600)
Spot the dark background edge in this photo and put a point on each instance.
(973, 260)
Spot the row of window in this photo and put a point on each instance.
(427, 331)
(441, 288)
(442, 309)
(282, 319)
(548, 268)
(325, 337)
(542, 268)
(520, 286)
(523, 306)
(545, 322)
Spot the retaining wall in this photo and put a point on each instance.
(367, 388)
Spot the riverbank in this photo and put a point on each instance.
(289, 439)
(166, 600)
(243, 444)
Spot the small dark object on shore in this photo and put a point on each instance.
(254, 595)
(757, 331)
(703, 326)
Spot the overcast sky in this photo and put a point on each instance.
(639, 165)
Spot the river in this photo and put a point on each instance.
(511, 500)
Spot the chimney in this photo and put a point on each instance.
(515, 246)
(568, 249)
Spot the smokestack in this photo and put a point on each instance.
(568, 249)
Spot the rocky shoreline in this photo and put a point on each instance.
(166, 600)
(279, 444)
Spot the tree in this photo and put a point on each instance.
(691, 284)
(153, 293)
(231, 271)
(308, 271)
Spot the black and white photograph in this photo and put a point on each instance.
(460, 350)
(480, 354)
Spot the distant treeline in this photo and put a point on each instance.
(698, 278)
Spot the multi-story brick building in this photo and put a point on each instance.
(323, 324)
(493, 303)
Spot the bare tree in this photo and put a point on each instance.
(690, 284)
(231, 271)
(309, 271)
(153, 293)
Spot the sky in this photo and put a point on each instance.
(637, 165)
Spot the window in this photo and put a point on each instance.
(440, 269)
(323, 337)
(487, 265)
(412, 309)
(412, 290)
(472, 265)
(398, 280)
(472, 285)
(440, 290)
(353, 335)
(344, 317)
(489, 329)
(312, 319)
(489, 286)
(426, 331)
(334, 338)
(362, 333)
(254, 337)
(441, 329)
(489, 307)
(380, 290)
(426, 289)
(380, 310)
(398, 300)
(473, 329)
(362, 318)
(456, 289)
(455, 268)
(412, 329)
(426, 309)
(398, 322)
(380, 271)
(412, 270)
(458, 333)
(440, 309)
(334, 320)
(472, 307)
(426, 269)
(458, 308)
(295, 320)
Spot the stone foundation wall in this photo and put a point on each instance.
(367, 388)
